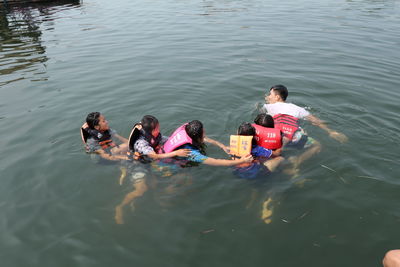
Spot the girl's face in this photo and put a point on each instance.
(156, 131)
(103, 124)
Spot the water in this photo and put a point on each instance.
(212, 61)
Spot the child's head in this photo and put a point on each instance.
(264, 120)
(277, 93)
(150, 125)
(246, 129)
(195, 130)
(95, 120)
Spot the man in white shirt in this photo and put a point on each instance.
(276, 106)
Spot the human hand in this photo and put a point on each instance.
(226, 149)
(138, 126)
(182, 152)
(338, 136)
(277, 152)
(246, 159)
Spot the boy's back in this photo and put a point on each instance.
(285, 108)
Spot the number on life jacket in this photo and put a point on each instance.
(269, 138)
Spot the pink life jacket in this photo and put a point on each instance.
(269, 138)
(177, 139)
(287, 124)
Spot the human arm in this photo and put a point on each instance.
(176, 153)
(227, 162)
(276, 152)
(121, 138)
(262, 108)
(144, 148)
(333, 134)
(107, 156)
(216, 143)
(196, 156)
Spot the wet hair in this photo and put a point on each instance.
(92, 119)
(149, 123)
(264, 120)
(194, 130)
(247, 129)
(281, 90)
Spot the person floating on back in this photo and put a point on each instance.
(99, 138)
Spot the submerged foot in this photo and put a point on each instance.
(300, 183)
(266, 211)
(293, 172)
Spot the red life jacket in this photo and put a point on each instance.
(287, 124)
(269, 138)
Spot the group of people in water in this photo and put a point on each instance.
(254, 151)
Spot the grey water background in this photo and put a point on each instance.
(212, 61)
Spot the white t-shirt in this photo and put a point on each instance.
(286, 108)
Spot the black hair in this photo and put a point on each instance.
(149, 123)
(92, 119)
(248, 130)
(281, 90)
(194, 130)
(264, 120)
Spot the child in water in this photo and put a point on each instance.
(189, 136)
(265, 160)
(147, 144)
(99, 138)
(262, 164)
(150, 140)
(274, 140)
(196, 132)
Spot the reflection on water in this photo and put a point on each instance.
(371, 7)
(215, 7)
(22, 54)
